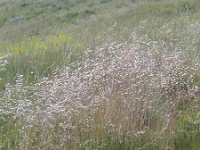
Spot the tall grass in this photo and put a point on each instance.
(34, 57)
(112, 22)
(78, 89)
(119, 96)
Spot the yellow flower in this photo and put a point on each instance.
(35, 45)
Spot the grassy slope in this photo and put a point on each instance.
(39, 17)
(88, 24)
(42, 20)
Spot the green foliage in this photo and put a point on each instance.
(188, 130)
(9, 133)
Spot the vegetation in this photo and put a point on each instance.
(106, 75)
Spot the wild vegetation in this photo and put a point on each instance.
(105, 75)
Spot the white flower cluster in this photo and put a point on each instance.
(118, 88)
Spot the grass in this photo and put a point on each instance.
(88, 34)
(99, 74)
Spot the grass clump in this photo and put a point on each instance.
(119, 96)
(38, 56)
(75, 88)
(188, 130)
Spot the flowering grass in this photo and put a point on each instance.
(82, 90)
(34, 56)
(118, 96)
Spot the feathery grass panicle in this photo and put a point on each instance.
(141, 92)
(119, 96)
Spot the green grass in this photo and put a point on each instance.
(90, 23)
(22, 20)
(187, 130)
(107, 26)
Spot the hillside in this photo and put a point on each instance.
(38, 17)
(30, 26)
(99, 74)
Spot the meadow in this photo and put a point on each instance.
(100, 75)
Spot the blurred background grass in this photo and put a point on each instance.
(27, 25)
